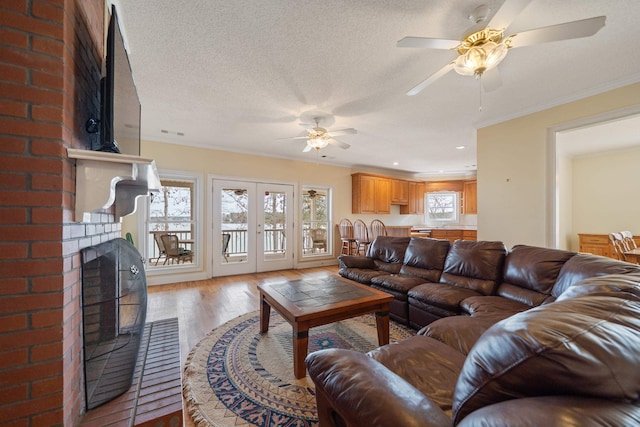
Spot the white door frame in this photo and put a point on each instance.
(255, 261)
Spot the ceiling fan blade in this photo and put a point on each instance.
(568, 30)
(507, 13)
(307, 148)
(295, 137)
(432, 78)
(491, 80)
(338, 143)
(346, 131)
(424, 42)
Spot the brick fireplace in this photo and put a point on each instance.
(50, 61)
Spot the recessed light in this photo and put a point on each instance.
(460, 147)
(172, 132)
(395, 163)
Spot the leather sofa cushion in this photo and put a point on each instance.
(397, 282)
(583, 266)
(616, 285)
(389, 267)
(440, 295)
(533, 268)
(427, 275)
(388, 249)
(361, 275)
(522, 295)
(492, 305)
(352, 261)
(428, 254)
(474, 265)
(429, 365)
(579, 346)
(460, 332)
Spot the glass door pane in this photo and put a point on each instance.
(234, 205)
(275, 223)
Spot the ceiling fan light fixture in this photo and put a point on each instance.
(480, 58)
(317, 142)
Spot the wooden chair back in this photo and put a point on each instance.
(627, 240)
(361, 234)
(618, 246)
(346, 229)
(377, 228)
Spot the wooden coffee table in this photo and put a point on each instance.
(314, 302)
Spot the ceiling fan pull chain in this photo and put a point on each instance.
(480, 86)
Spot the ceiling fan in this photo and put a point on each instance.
(483, 50)
(318, 137)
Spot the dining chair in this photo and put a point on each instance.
(629, 245)
(377, 228)
(627, 240)
(174, 251)
(618, 246)
(318, 239)
(361, 235)
(346, 237)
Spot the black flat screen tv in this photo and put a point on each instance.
(121, 111)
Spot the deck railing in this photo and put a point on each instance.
(274, 242)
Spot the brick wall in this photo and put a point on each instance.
(50, 67)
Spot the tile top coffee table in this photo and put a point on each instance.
(314, 302)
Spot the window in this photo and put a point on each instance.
(316, 226)
(442, 206)
(172, 211)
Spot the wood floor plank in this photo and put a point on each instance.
(203, 305)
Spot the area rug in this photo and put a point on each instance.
(236, 376)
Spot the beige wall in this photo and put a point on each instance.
(513, 166)
(605, 196)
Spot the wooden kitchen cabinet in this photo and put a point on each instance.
(470, 197)
(399, 192)
(415, 204)
(453, 234)
(370, 194)
(469, 235)
(446, 234)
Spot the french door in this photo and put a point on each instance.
(252, 227)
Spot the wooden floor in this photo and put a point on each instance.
(203, 305)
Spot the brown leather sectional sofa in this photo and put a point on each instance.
(433, 279)
(528, 337)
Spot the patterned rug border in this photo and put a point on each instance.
(199, 357)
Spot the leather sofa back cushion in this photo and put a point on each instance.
(534, 268)
(583, 266)
(521, 295)
(474, 265)
(388, 249)
(426, 253)
(548, 350)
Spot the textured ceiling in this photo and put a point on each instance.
(238, 75)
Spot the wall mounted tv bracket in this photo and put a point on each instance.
(92, 125)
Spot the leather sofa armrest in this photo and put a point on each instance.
(353, 389)
(352, 261)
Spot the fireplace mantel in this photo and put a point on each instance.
(106, 179)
